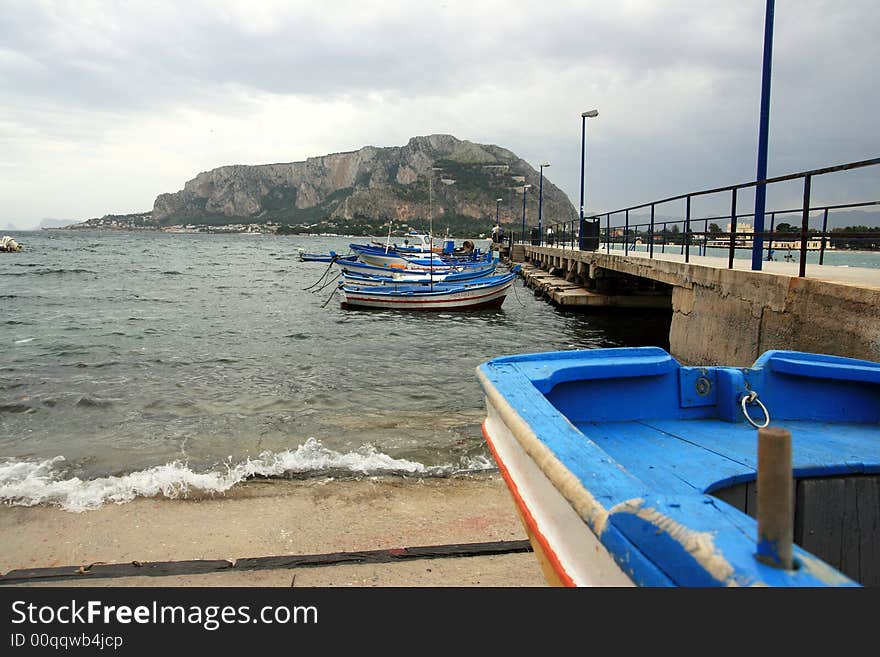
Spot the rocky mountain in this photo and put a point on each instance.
(456, 182)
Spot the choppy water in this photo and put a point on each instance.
(139, 364)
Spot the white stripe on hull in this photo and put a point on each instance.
(577, 550)
(400, 263)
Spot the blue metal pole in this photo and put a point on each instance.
(524, 215)
(763, 131)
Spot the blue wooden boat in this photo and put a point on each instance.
(403, 277)
(486, 292)
(390, 257)
(628, 468)
(419, 244)
(418, 273)
(325, 257)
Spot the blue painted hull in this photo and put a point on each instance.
(325, 257)
(435, 273)
(391, 257)
(643, 456)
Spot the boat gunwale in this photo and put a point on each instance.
(532, 408)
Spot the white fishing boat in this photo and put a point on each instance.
(418, 273)
(488, 292)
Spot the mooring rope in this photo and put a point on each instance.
(320, 280)
(515, 293)
(335, 290)
(332, 280)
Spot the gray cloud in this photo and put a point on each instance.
(676, 83)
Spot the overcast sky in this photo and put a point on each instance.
(105, 105)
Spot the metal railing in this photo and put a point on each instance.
(570, 235)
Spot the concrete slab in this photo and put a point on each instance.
(568, 294)
(274, 518)
(586, 298)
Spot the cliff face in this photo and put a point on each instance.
(436, 174)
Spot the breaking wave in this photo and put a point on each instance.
(28, 483)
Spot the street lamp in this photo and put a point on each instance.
(525, 187)
(541, 201)
(592, 114)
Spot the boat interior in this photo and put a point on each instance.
(679, 431)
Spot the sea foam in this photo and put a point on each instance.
(29, 483)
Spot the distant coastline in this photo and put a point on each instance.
(273, 229)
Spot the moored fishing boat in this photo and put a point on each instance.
(487, 292)
(391, 257)
(379, 256)
(628, 468)
(324, 257)
(418, 273)
(404, 277)
(418, 244)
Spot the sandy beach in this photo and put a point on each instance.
(262, 518)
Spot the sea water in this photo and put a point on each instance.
(139, 364)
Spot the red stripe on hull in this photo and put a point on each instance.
(430, 304)
(529, 520)
(494, 303)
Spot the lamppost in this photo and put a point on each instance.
(592, 114)
(540, 202)
(525, 187)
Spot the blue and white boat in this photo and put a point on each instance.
(389, 257)
(485, 292)
(628, 468)
(332, 256)
(418, 274)
(419, 244)
(381, 257)
(404, 277)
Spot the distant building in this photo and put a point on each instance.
(744, 239)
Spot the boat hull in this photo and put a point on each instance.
(353, 276)
(417, 274)
(482, 293)
(567, 552)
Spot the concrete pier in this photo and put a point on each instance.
(722, 316)
(567, 294)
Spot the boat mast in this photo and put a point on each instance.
(431, 229)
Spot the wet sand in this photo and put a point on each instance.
(274, 518)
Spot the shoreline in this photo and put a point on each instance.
(261, 518)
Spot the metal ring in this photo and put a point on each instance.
(752, 397)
